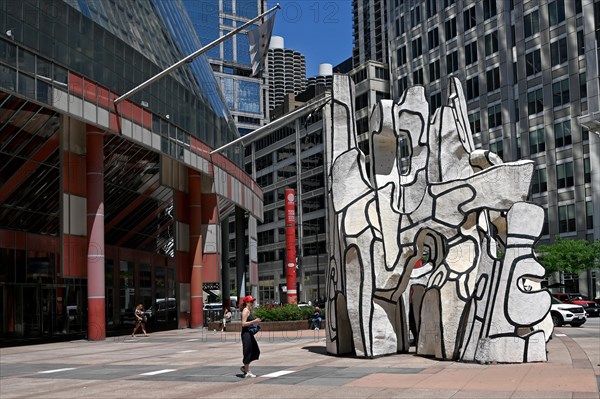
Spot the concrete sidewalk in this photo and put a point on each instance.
(201, 364)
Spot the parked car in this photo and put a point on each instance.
(591, 307)
(164, 308)
(566, 313)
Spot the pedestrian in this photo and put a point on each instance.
(250, 347)
(140, 320)
(317, 318)
(226, 319)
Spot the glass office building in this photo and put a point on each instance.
(244, 94)
(105, 206)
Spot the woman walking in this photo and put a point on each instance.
(250, 346)
(140, 320)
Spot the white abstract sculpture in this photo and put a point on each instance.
(429, 192)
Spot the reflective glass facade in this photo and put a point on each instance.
(120, 47)
(230, 60)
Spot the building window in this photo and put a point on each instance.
(402, 84)
(489, 9)
(564, 175)
(493, 79)
(362, 101)
(469, 18)
(435, 102)
(434, 70)
(582, 86)
(381, 73)
(431, 8)
(589, 215)
(539, 181)
(566, 218)
(248, 97)
(473, 88)
(587, 171)
(400, 30)
(562, 134)
(513, 36)
(519, 148)
(452, 62)
(475, 122)
(433, 38)
(497, 148)
(450, 30)
(558, 52)
(535, 102)
(517, 111)
(401, 52)
(537, 141)
(418, 77)
(415, 16)
(580, 43)
(560, 92)
(545, 225)
(471, 53)
(491, 43)
(417, 48)
(494, 116)
(533, 62)
(556, 12)
(532, 23)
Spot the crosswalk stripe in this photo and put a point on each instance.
(159, 372)
(278, 373)
(55, 370)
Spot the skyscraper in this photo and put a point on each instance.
(529, 71)
(244, 94)
(370, 30)
(287, 71)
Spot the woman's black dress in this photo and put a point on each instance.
(249, 345)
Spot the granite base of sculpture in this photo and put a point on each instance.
(435, 237)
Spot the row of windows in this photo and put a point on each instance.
(567, 221)
(558, 48)
(564, 176)
(469, 16)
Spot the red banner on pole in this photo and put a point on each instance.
(290, 243)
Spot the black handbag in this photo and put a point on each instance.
(254, 328)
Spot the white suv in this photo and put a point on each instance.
(565, 313)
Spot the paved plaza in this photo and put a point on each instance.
(205, 364)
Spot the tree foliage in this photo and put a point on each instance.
(571, 256)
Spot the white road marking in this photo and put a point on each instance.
(159, 372)
(188, 351)
(561, 335)
(278, 373)
(193, 339)
(55, 370)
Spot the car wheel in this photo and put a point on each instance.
(557, 320)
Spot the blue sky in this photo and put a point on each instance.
(319, 29)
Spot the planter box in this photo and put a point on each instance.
(295, 325)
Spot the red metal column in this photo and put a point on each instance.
(196, 302)
(95, 232)
(182, 255)
(290, 244)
